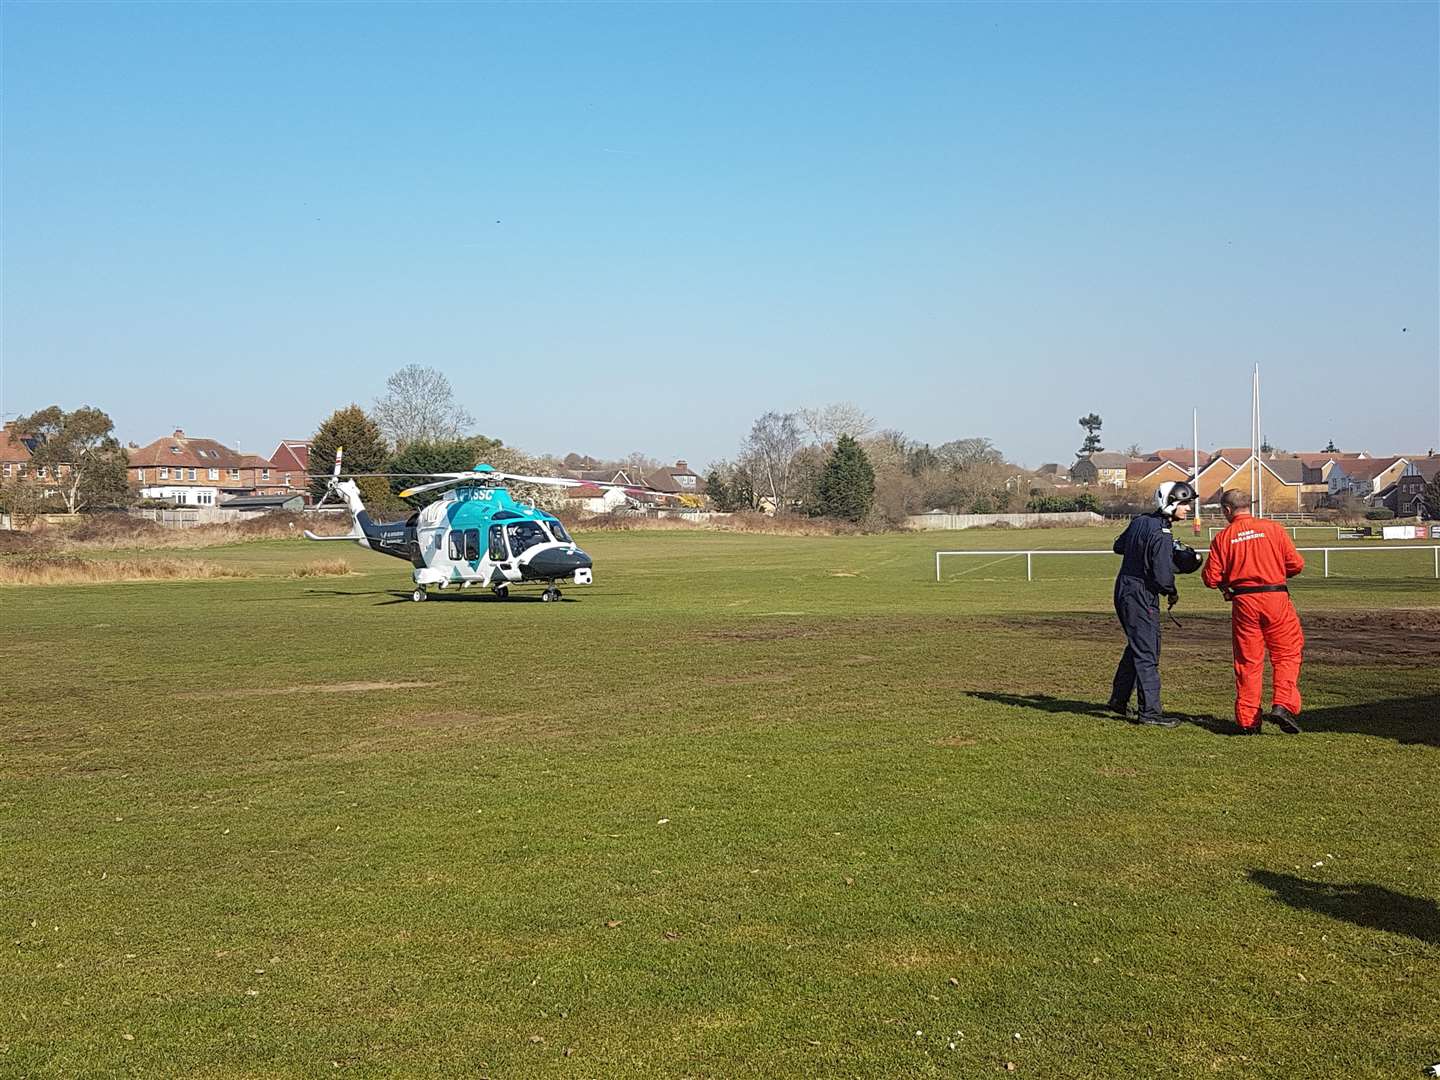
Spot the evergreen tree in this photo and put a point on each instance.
(1091, 424)
(846, 488)
(422, 457)
(1331, 448)
(365, 452)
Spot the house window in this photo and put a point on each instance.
(265, 474)
(139, 474)
(164, 472)
(287, 479)
(214, 474)
(7, 468)
(686, 481)
(235, 474)
(189, 474)
(41, 473)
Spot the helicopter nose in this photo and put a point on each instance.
(558, 563)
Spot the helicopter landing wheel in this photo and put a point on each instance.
(502, 592)
(418, 595)
(550, 594)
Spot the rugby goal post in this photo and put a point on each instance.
(1029, 555)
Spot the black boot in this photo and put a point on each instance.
(1284, 719)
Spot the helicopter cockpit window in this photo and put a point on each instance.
(558, 531)
(497, 543)
(525, 535)
(472, 545)
(457, 545)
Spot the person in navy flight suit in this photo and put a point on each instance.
(1150, 558)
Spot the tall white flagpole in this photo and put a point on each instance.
(1195, 456)
(1259, 442)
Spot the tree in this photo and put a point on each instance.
(1135, 450)
(78, 452)
(419, 406)
(423, 457)
(773, 443)
(828, 424)
(365, 452)
(846, 487)
(1331, 448)
(1091, 423)
(21, 499)
(1432, 498)
(968, 454)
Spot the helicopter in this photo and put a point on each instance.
(475, 535)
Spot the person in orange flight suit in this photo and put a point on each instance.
(1250, 560)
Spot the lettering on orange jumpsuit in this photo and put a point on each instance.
(1253, 551)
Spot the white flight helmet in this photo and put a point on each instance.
(1171, 495)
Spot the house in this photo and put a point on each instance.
(1215, 477)
(590, 498)
(291, 463)
(1282, 482)
(676, 480)
(1102, 468)
(1362, 478)
(203, 472)
(1142, 478)
(14, 453)
(1408, 498)
(15, 458)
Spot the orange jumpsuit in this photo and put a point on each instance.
(1250, 561)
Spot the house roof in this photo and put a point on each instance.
(1180, 455)
(1368, 468)
(664, 479)
(1138, 470)
(12, 446)
(1288, 470)
(585, 491)
(293, 454)
(180, 449)
(1107, 460)
(1233, 454)
(1427, 466)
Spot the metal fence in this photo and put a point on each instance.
(1000, 556)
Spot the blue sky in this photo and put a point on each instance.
(637, 227)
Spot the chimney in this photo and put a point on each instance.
(682, 466)
(179, 434)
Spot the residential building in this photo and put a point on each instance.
(1364, 477)
(202, 472)
(1102, 468)
(15, 459)
(1142, 478)
(291, 463)
(676, 480)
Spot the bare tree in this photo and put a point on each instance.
(826, 425)
(418, 405)
(774, 441)
(968, 453)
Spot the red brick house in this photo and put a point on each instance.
(204, 472)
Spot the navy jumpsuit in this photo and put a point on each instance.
(1146, 574)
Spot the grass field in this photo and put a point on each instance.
(749, 806)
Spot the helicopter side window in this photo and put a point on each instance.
(558, 531)
(472, 545)
(497, 543)
(524, 535)
(457, 545)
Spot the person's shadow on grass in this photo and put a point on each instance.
(1048, 703)
(1361, 903)
(1409, 721)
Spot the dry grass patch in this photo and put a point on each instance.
(72, 570)
(322, 568)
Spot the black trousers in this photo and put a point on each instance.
(1139, 611)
